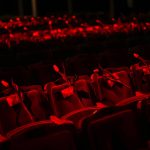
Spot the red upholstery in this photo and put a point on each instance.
(11, 117)
(62, 105)
(31, 87)
(38, 104)
(112, 91)
(43, 135)
(141, 77)
(117, 130)
(83, 90)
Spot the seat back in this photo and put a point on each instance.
(117, 130)
(62, 105)
(43, 135)
(83, 90)
(116, 89)
(38, 104)
(141, 77)
(31, 87)
(11, 115)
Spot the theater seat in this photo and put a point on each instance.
(11, 116)
(68, 107)
(43, 135)
(114, 90)
(62, 105)
(82, 88)
(31, 87)
(38, 104)
(141, 77)
(111, 130)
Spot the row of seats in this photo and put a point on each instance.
(103, 111)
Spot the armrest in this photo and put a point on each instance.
(59, 121)
(78, 116)
(87, 110)
(133, 99)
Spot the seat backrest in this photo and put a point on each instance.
(118, 130)
(61, 104)
(11, 116)
(82, 88)
(115, 91)
(141, 77)
(43, 135)
(38, 104)
(31, 87)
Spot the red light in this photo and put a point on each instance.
(6, 27)
(116, 26)
(55, 67)
(45, 18)
(10, 20)
(47, 37)
(98, 21)
(32, 19)
(50, 22)
(20, 24)
(11, 35)
(18, 19)
(113, 19)
(89, 29)
(144, 28)
(36, 33)
(4, 83)
(25, 28)
(106, 27)
(134, 18)
(59, 18)
(80, 29)
(67, 22)
(73, 17)
(136, 55)
(59, 30)
(97, 27)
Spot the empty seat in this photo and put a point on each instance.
(141, 77)
(111, 130)
(14, 114)
(43, 135)
(11, 115)
(82, 88)
(115, 87)
(31, 87)
(63, 104)
(66, 104)
(38, 104)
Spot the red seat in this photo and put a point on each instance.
(11, 116)
(38, 104)
(114, 90)
(141, 77)
(43, 135)
(61, 105)
(82, 88)
(110, 130)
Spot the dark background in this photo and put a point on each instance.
(48, 7)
